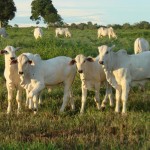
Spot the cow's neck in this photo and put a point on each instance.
(108, 69)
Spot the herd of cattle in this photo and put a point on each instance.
(113, 69)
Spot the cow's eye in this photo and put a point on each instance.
(84, 61)
(107, 52)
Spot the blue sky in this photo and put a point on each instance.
(102, 12)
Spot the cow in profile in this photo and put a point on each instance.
(102, 31)
(62, 31)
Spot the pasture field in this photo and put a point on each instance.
(94, 130)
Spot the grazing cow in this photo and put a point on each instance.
(140, 45)
(123, 70)
(12, 77)
(47, 73)
(92, 76)
(38, 33)
(106, 31)
(62, 31)
(3, 32)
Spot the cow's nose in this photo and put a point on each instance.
(101, 62)
(80, 71)
(12, 58)
(20, 72)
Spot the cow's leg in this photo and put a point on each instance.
(18, 99)
(40, 99)
(65, 97)
(67, 87)
(27, 99)
(118, 96)
(34, 94)
(83, 100)
(96, 98)
(103, 105)
(110, 95)
(72, 101)
(10, 97)
(125, 92)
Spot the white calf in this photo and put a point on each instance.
(47, 73)
(38, 33)
(141, 45)
(12, 77)
(123, 70)
(106, 32)
(92, 76)
(62, 31)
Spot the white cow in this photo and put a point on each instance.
(12, 77)
(140, 45)
(47, 73)
(38, 33)
(123, 70)
(3, 32)
(62, 31)
(106, 32)
(92, 76)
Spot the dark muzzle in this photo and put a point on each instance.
(80, 71)
(12, 58)
(20, 72)
(101, 62)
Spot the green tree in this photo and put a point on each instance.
(44, 9)
(7, 11)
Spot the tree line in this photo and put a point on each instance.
(44, 10)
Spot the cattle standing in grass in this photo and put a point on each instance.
(12, 77)
(38, 33)
(92, 76)
(106, 32)
(46, 73)
(62, 31)
(3, 32)
(140, 45)
(123, 70)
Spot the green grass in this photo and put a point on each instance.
(94, 129)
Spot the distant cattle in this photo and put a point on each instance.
(123, 71)
(38, 33)
(62, 31)
(3, 32)
(140, 45)
(106, 32)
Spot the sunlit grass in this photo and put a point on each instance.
(94, 129)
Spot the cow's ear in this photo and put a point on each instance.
(90, 59)
(3, 52)
(18, 48)
(14, 62)
(30, 62)
(72, 62)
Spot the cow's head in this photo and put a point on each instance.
(23, 63)
(80, 61)
(9, 52)
(104, 53)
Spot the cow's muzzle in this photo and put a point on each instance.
(80, 71)
(20, 72)
(101, 62)
(12, 58)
